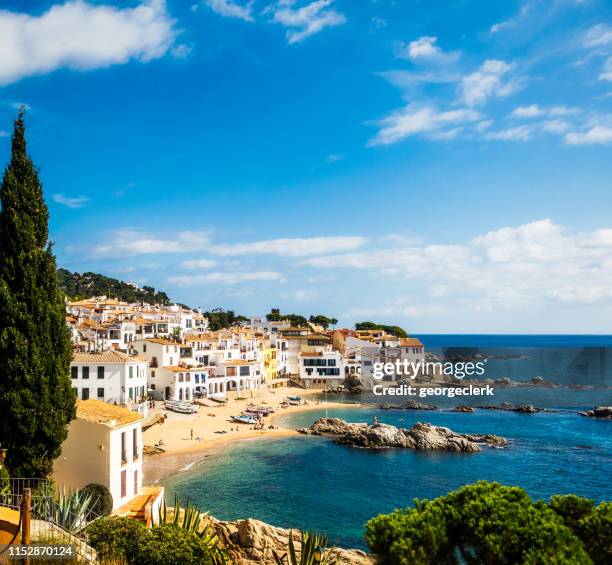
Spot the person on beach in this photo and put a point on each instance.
(191, 434)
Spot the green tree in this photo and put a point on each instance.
(36, 398)
(491, 523)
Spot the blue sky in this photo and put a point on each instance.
(441, 165)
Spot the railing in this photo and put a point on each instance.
(48, 518)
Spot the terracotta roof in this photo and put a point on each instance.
(411, 342)
(108, 356)
(178, 369)
(238, 362)
(161, 341)
(99, 412)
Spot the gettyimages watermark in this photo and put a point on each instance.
(405, 369)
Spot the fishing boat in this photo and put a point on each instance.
(185, 408)
(180, 407)
(244, 419)
(218, 398)
(294, 401)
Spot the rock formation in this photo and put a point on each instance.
(421, 436)
(601, 412)
(253, 542)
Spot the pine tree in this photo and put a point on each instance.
(36, 397)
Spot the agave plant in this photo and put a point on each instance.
(314, 551)
(191, 519)
(71, 509)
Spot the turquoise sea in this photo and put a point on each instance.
(312, 483)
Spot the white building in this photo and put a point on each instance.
(321, 369)
(111, 376)
(104, 446)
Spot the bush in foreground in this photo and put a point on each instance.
(101, 498)
(129, 540)
(491, 523)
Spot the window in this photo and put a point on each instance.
(152, 387)
(244, 371)
(123, 484)
(131, 371)
(144, 347)
(131, 393)
(100, 372)
(135, 444)
(84, 394)
(85, 374)
(135, 482)
(74, 372)
(100, 393)
(153, 374)
(123, 454)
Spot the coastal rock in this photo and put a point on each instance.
(523, 408)
(414, 405)
(462, 408)
(409, 405)
(254, 542)
(601, 413)
(422, 436)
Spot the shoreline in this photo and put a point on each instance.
(209, 442)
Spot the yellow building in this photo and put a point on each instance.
(268, 358)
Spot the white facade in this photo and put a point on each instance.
(111, 376)
(104, 446)
(321, 369)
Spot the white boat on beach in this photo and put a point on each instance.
(180, 407)
(218, 398)
(244, 419)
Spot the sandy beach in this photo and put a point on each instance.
(188, 439)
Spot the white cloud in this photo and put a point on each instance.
(607, 70)
(520, 133)
(511, 267)
(593, 136)
(534, 111)
(598, 35)
(334, 158)
(307, 20)
(129, 242)
(225, 278)
(413, 120)
(230, 9)
(82, 36)
(487, 82)
(199, 264)
(290, 247)
(300, 294)
(531, 111)
(75, 202)
(425, 50)
(555, 126)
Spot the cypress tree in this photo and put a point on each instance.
(36, 397)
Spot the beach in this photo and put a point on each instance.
(188, 439)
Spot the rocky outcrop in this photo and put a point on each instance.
(421, 436)
(462, 408)
(601, 413)
(408, 405)
(253, 542)
(523, 408)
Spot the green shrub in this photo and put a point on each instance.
(169, 543)
(101, 498)
(130, 540)
(116, 537)
(491, 523)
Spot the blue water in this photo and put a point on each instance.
(312, 483)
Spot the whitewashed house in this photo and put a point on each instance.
(321, 369)
(104, 446)
(111, 376)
